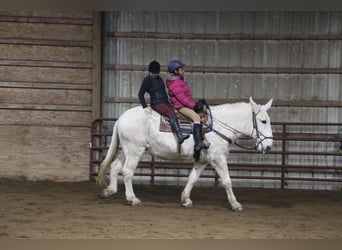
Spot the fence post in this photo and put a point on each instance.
(152, 170)
(93, 129)
(283, 157)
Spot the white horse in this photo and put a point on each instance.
(138, 132)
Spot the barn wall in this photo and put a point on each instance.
(49, 86)
(293, 57)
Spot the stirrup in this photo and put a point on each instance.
(202, 146)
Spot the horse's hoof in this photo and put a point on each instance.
(238, 209)
(102, 196)
(135, 203)
(189, 205)
(106, 193)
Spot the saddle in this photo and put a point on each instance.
(185, 123)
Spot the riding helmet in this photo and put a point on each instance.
(154, 67)
(175, 64)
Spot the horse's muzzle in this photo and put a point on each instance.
(266, 150)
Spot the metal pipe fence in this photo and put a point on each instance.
(303, 152)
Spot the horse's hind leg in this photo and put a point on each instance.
(115, 169)
(193, 177)
(130, 165)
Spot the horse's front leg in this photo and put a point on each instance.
(193, 177)
(221, 168)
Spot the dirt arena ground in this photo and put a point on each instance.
(49, 210)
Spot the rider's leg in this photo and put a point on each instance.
(175, 128)
(165, 109)
(197, 130)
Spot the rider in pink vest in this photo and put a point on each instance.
(181, 98)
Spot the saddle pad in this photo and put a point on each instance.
(185, 123)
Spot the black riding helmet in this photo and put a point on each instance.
(154, 67)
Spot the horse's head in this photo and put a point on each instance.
(262, 131)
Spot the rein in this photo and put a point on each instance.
(234, 131)
(223, 136)
(210, 126)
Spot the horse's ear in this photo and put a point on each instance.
(268, 105)
(255, 107)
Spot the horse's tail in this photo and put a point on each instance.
(113, 148)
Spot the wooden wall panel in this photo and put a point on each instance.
(76, 15)
(45, 53)
(49, 93)
(46, 97)
(46, 31)
(46, 75)
(31, 115)
(40, 152)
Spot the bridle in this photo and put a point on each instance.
(258, 139)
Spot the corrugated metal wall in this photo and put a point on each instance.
(48, 79)
(293, 57)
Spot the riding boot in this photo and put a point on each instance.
(197, 131)
(175, 128)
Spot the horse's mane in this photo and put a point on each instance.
(230, 106)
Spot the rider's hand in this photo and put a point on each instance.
(198, 107)
(148, 110)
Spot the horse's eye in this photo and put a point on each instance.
(263, 121)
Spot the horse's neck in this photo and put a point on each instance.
(230, 118)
